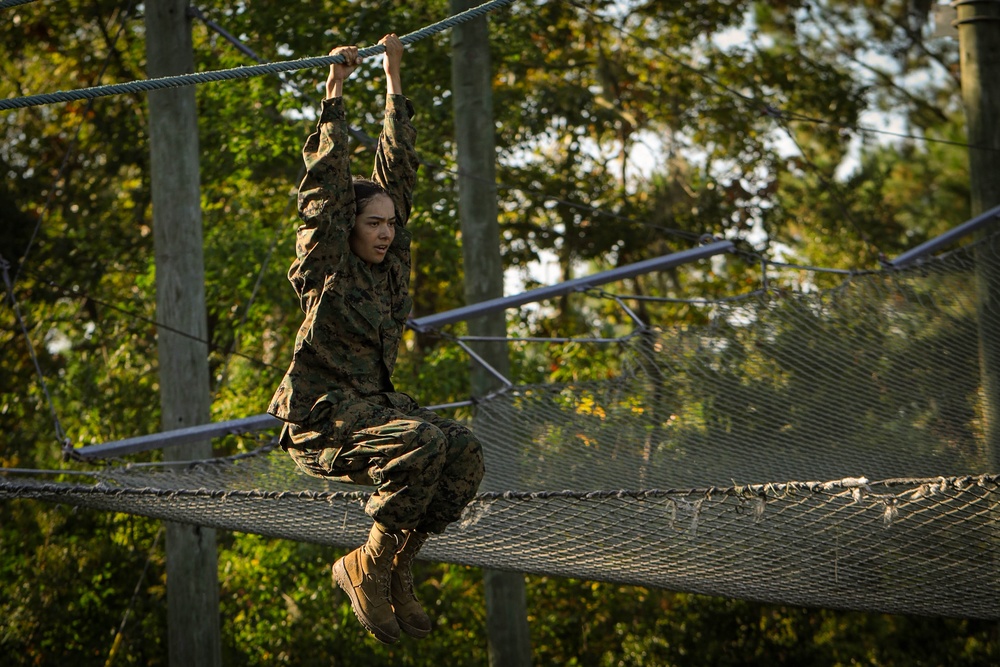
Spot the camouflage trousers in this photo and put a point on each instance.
(425, 468)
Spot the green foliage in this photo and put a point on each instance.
(68, 579)
(591, 623)
(624, 131)
(307, 621)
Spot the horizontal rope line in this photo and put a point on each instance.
(7, 4)
(56, 489)
(770, 490)
(146, 85)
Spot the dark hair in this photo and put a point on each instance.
(365, 189)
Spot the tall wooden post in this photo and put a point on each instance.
(979, 43)
(192, 565)
(472, 81)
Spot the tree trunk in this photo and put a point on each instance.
(506, 607)
(979, 41)
(192, 566)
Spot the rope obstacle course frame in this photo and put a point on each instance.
(905, 544)
(631, 479)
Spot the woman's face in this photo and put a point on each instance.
(374, 229)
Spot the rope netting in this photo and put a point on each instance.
(818, 447)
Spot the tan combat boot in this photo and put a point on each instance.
(409, 614)
(364, 575)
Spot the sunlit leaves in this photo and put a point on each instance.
(624, 131)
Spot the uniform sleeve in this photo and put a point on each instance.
(396, 158)
(326, 204)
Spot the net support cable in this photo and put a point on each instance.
(190, 434)
(9, 285)
(262, 422)
(145, 85)
(952, 235)
(685, 463)
(424, 324)
(661, 263)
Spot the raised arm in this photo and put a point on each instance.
(340, 71)
(326, 196)
(391, 64)
(396, 158)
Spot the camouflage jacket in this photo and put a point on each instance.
(346, 347)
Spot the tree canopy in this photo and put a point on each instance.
(824, 132)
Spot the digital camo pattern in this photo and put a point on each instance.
(427, 468)
(346, 347)
(344, 418)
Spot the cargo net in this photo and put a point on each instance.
(821, 448)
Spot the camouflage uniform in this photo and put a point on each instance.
(344, 419)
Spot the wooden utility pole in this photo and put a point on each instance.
(472, 90)
(192, 564)
(979, 42)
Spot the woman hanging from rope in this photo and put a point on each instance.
(344, 419)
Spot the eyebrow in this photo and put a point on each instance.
(391, 218)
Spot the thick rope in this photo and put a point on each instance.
(7, 4)
(241, 72)
(855, 488)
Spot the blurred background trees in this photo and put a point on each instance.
(824, 132)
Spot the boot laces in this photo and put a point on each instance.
(406, 578)
(382, 576)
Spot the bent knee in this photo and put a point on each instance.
(471, 461)
(429, 439)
